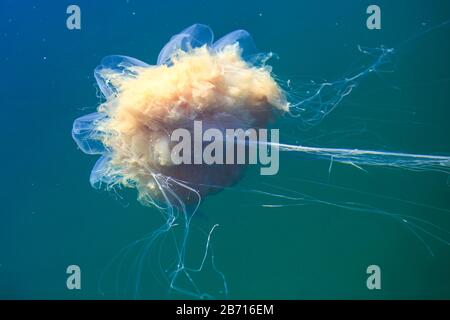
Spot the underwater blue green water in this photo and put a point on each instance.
(51, 217)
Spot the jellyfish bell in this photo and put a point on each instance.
(195, 79)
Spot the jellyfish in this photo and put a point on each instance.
(226, 84)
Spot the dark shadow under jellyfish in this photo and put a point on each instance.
(225, 84)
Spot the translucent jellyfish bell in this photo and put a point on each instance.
(194, 36)
(103, 173)
(85, 134)
(242, 38)
(198, 35)
(119, 65)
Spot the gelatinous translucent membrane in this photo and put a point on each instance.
(86, 135)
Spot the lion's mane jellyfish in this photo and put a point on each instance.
(194, 79)
(226, 84)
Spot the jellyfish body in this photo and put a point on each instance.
(194, 79)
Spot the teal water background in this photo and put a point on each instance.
(51, 217)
